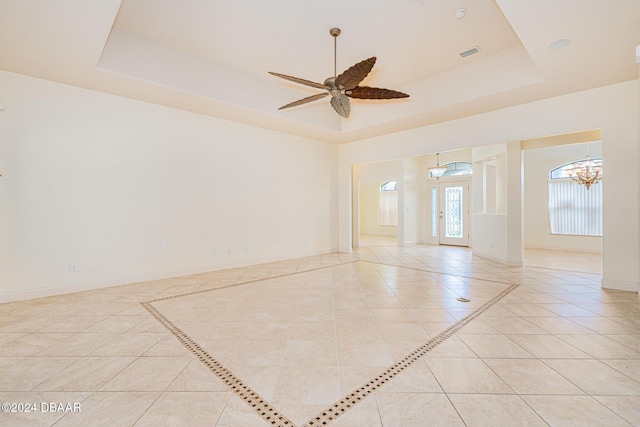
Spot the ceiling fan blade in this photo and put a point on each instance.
(341, 104)
(355, 74)
(304, 100)
(365, 92)
(299, 80)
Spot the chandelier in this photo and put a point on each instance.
(586, 172)
(438, 170)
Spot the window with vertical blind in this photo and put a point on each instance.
(574, 209)
(389, 204)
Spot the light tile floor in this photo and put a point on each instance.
(373, 338)
(569, 261)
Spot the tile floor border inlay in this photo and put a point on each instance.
(563, 270)
(235, 384)
(263, 408)
(346, 403)
(426, 270)
(231, 285)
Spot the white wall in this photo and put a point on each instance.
(409, 202)
(614, 109)
(497, 202)
(488, 193)
(515, 203)
(130, 191)
(490, 237)
(537, 164)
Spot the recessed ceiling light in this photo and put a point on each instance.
(459, 13)
(558, 44)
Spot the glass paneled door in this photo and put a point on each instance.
(453, 213)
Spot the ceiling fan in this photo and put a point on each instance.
(344, 86)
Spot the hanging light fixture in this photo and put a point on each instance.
(438, 170)
(585, 172)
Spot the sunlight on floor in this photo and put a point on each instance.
(376, 337)
(563, 260)
(540, 258)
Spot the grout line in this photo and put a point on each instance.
(247, 282)
(261, 405)
(561, 269)
(442, 274)
(250, 397)
(347, 402)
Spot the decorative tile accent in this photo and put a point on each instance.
(235, 384)
(264, 408)
(346, 403)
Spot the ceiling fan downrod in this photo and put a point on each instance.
(335, 32)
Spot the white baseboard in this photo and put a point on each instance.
(87, 286)
(619, 285)
(8, 297)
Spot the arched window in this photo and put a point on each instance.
(388, 206)
(574, 209)
(389, 186)
(563, 171)
(456, 168)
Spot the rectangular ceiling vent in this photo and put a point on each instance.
(469, 52)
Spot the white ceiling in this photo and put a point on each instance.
(212, 56)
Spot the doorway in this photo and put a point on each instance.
(576, 248)
(450, 209)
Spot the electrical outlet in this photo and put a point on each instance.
(215, 253)
(73, 268)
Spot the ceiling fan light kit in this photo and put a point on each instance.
(344, 86)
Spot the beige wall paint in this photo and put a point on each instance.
(613, 109)
(380, 172)
(102, 182)
(414, 186)
(129, 191)
(369, 203)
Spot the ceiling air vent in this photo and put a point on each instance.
(469, 52)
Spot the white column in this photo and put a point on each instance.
(515, 242)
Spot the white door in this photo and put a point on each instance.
(453, 213)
